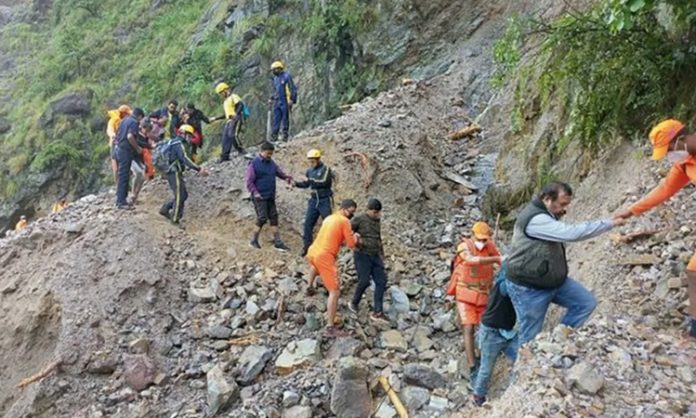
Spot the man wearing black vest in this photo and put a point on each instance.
(537, 265)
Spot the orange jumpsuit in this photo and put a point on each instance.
(679, 176)
(335, 230)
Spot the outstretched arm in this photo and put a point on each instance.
(546, 228)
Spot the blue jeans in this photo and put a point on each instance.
(124, 157)
(370, 267)
(315, 209)
(491, 344)
(531, 305)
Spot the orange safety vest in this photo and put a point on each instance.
(471, 283)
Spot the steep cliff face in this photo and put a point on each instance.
(65, 63)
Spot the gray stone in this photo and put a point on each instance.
(424, 376)
(200, 294)
(586, 378)
(139, 371)
(297, 355)
(219, 332)
(411, 288)
(287, 286)
(290, 399)
(438, 403)
(385, 411)
(298, 411)
(399, 299)
(252, 361)
(221, 393)
(393, 340)
(444, 322)
(421, 342)
(139, 346)
(414, 397)
(72, 104)
(350, 396)
(251, 308)
(344, 347)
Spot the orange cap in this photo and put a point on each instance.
(124, 110)
(662, 134)
(481, 230)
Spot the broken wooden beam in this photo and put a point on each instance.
(465, 132)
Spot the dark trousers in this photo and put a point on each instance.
(370, 267)
(124, 157)
(266, 211)
(230, 138)
(315, 208)
(178, 187)
(281, 119)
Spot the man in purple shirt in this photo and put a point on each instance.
(260, 181)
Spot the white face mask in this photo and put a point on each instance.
(677, 157)
(479, 245)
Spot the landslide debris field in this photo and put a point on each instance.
(149, 320)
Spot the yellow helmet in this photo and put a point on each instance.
(277, 65)
(187, 128)
(221, 87)
(314, 153)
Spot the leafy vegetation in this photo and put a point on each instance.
(612, 70)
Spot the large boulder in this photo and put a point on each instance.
(297, 355)
(252, 362)
(221, 392)
(423, 376)
(74, 105)
(350, 396)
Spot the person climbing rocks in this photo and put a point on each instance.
(233, 107)
(195, 117)
(59, 205)
(672, 140)
(139, 166)
(260, 181)
(496, 335)
(334, 232)
(168, 117)
(320, 203)
(369, 259)
(178, 162)
(537, 266)
(115, 118)
(128, 149)
(283, 99)
(21, 224)
(471, 280)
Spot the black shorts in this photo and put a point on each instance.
(266, 211)
(114, 151)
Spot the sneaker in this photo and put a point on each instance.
(379, 317)
(125, 207)
(353, 308)
(166, 213)
(479, 400)
(280, 246)
(254, 243)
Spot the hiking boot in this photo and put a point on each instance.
(125, 207)
(333, 332)
(280, 246)
(254, 243)
(165, 213)
(479, 400)
(379, 317)
(353, 308)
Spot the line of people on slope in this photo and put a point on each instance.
(58, 206)
(510, 311)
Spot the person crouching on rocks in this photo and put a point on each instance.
(472, 277)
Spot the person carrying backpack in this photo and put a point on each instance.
(171, 159)
(472, 277)
(235, 112)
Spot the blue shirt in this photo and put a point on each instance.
(547, 228)
(131, 126)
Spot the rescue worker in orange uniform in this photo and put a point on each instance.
(671, 139)
(21, 224)
(472, 278)
(335, 231)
